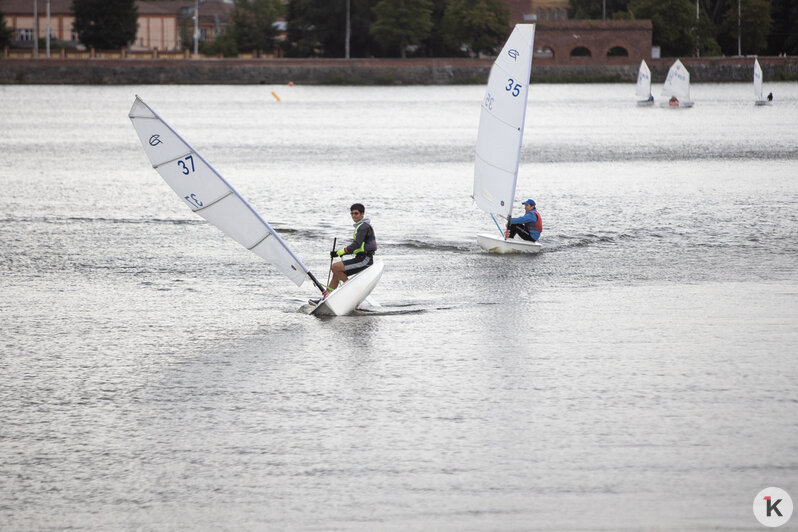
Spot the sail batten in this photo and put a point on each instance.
(208, 194)
(501, 123)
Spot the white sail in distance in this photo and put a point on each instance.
(208, 194)
(501, 123)
(644, 81)
(677, 83)
(757, 81)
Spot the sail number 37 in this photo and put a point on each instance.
(186, 164)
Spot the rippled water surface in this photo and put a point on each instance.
(639, 373)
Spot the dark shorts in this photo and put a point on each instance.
(358, 263)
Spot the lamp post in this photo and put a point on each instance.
(348, 31)
(196, 30)
(35, 28)
(48, 29)
(604, 10)
(739, 42)
(697, 49)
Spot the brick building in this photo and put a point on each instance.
(583, 42)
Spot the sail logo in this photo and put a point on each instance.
(155, 140)
(772, 507)
(502, 203)
(512, 52)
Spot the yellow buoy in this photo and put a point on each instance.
(275, 96)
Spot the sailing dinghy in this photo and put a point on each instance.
(677, 87)
(644, 85)
(759, 99)
(501, 130)
(209, 195)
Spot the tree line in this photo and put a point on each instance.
(448, 28)
(767, 27)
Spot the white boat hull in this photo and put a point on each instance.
(348, 296)
(762, 102)
(645, 103)
(497, 244)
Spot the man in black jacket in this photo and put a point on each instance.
(362, 247)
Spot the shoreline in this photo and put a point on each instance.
(437, 71)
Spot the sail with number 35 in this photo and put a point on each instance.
(501, 123)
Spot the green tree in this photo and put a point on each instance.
(401, 23)
(316, 28)
(5, 32)
(479, 25)
(755, 25)
(224, 44)
(105, 24)
(673, 21)
(783, 37)
(253, 24)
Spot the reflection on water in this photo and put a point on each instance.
(154, 374)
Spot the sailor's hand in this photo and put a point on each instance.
(333, 254)
(341, 251)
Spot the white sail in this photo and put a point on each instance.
(644, 81)
(501, 123)
(677, 83)
(758, 81)
(207, 193)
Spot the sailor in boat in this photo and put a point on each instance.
(770, 97)
(529, 226)
(363, 246)
(674, 101)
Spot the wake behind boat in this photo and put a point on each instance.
(501, 131)
(209, 195)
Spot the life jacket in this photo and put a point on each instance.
(537, 225)
(369, 243)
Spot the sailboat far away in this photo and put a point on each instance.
(758, 98)
(501, 131)
(209, 195)
(677, 87)
(644, 85)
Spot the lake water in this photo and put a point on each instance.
(640, 373)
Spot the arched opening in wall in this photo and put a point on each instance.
(543, 52)
(618, 51)
(580, 51)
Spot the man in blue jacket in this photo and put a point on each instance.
(528, 227)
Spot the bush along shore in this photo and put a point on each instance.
(364, 71)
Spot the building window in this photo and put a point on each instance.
(543, 52)
(556, 14)
(25, 34)
(580, 51)
(563, 14)
(618, 51)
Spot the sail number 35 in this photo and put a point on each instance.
(513, 87)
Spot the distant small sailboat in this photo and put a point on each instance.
(209, 195)
(758, 98)
(501, 130)
(644, 85)
(677, 87)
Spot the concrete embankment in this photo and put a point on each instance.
(362, 71)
